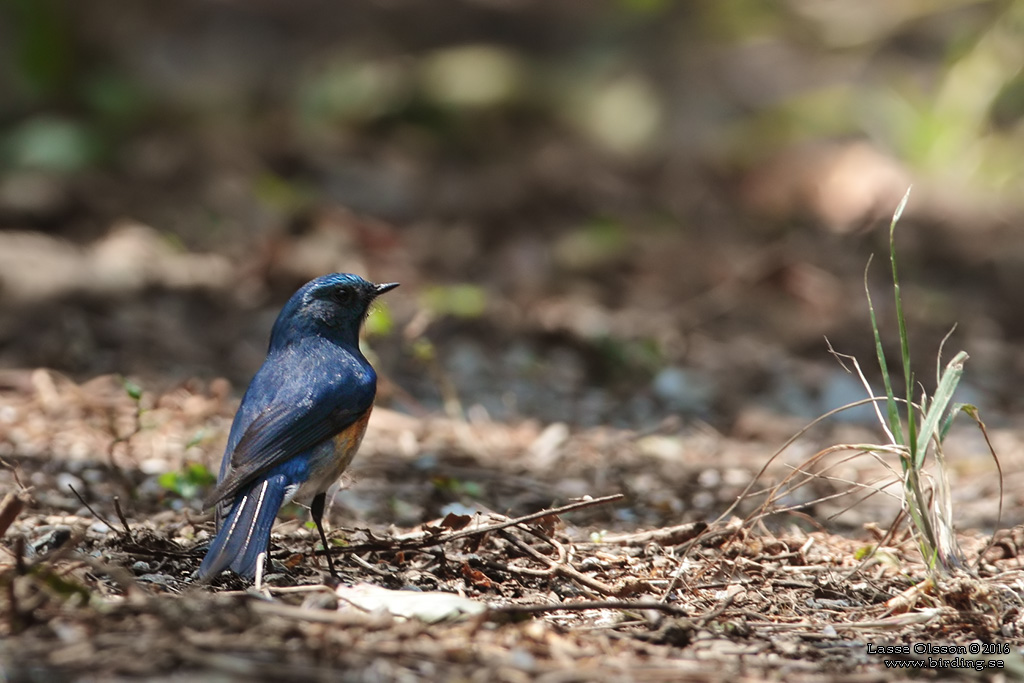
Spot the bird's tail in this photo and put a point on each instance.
(245, 532)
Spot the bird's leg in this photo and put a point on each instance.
(316, 508)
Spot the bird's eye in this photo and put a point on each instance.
(344, 295)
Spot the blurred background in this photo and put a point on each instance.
(602, 213)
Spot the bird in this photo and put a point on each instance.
(300, 422)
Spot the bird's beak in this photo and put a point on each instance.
(386, 287)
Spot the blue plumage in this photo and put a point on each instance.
(300, 422)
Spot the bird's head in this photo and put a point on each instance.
(332, 306)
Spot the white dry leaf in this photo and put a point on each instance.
(427, 606)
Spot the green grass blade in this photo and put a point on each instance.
(891, 406)
(901, 320)
(955, 410)
(940, 401)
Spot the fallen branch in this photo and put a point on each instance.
(670, 535)
(593, 604)
(90, 509)
(561, 566)
(440, 539)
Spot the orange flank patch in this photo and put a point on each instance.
(346, 443)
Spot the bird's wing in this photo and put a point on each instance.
(308, 406)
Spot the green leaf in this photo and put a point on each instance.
(462, 300)
(280, 193)
(188, 482)
(132, 389)
(52, 143)
(379, 322)
(423, 350)
(44, 55)
(599, 243)
(169, 481)
(863, 551)
(198, 473)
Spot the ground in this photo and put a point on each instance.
(100, 564)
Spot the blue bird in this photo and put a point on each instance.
(300, 422)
